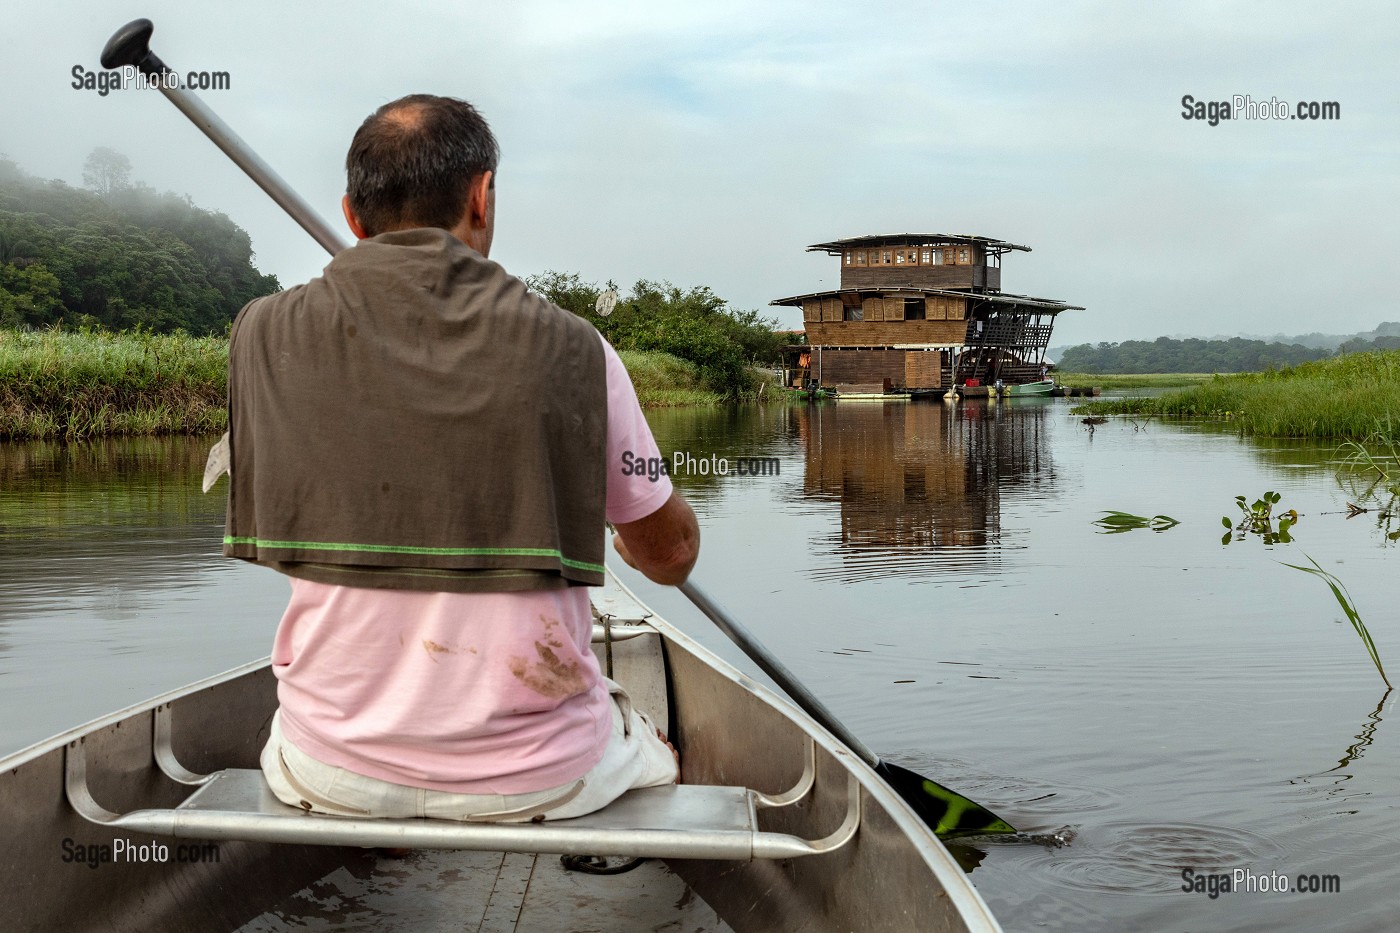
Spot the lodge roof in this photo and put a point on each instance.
(1046, 304)
(996, 247)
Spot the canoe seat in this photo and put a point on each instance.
(677, 821)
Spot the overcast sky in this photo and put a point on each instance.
(709, 143)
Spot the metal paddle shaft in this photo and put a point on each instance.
(946, 811)
(775, 669)
(131, 46)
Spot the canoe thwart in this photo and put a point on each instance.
(683, 821)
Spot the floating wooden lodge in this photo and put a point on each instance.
(919, 312)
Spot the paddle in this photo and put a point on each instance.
(946, 811)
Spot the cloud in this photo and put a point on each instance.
(710, 143)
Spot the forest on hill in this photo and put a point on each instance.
(1168, 355)
(118, 255)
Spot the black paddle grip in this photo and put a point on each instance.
(131, 45)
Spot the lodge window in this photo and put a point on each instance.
(848, 257)
(899, 257)
(856, 313)
(860, 257)
(914, 309)
(927, 258)
(964, 257)
(948, 257)
(885, 258)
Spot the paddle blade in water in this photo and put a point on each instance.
(946, 811)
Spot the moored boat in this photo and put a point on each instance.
(154, 817)
(1041, 388)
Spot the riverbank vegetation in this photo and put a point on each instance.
(56, 384)
(665, 381)
(59, 385)
(693, 325)
(1348, 397)
(1130, 380)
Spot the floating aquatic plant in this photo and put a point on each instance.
(1344, 600)
(1114, 522)
(1258, 518)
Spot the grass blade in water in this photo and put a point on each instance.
(1114, 522)
(1343, 597)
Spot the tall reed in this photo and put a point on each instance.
(66, 385)
(1344, 397)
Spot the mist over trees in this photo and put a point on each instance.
(106, 170)
(119, 256)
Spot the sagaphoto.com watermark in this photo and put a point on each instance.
(132, 852)
(105, 81)
(1244, 881)
(684, 463)
(1245, 107)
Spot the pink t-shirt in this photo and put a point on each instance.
(474, 693)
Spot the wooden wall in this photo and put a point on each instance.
(906, 369)
(920, 276)
(886, 333)
(923, 369)
(862, 367)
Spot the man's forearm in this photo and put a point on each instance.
(663, 546)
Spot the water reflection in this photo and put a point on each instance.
(102, 519)
(113, 587)
(919, 486)
(1355, 751)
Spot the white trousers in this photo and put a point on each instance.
(635, 757)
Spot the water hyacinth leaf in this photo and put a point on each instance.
(1225, 520)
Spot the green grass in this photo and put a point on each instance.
(1346, 397)
(1131, 380)
(664, 381)
(57, 385)
(68, 386)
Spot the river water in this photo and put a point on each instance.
(932, 570)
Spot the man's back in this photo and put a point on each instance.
(429, 451)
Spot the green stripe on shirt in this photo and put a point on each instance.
(409, 549)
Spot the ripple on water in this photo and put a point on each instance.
(1147, 858)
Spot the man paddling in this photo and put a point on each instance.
(429, 451)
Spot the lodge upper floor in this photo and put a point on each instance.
(924, 260)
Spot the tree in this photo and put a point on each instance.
(693, 324)
(106, 170)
